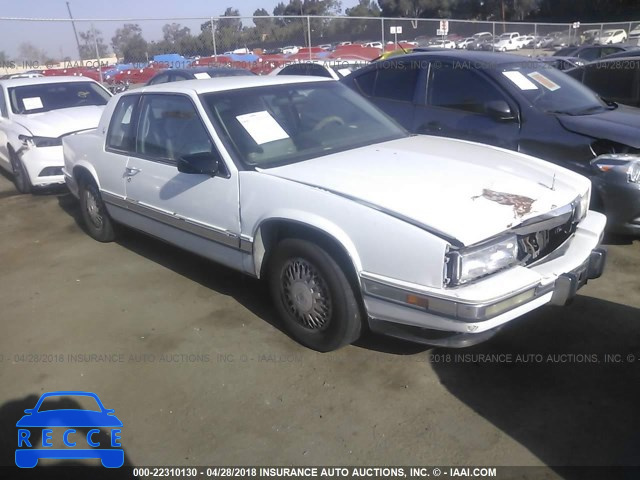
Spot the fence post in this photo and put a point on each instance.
(493, 44)
(95, 43)
(309, 34)
(213, 37)
(535, 38)
(382, 23)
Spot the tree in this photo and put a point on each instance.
(365, 8)
(174, 33)
(129, 43)
(88, 42)
(417, 8)
(30, 53)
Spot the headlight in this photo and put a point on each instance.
(467, 264)
(626, 162)
(582, 205)
(40, 141)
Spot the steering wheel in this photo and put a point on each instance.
(326, 121)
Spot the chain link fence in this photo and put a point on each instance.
(135, 49)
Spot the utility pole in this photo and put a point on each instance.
(75, 32)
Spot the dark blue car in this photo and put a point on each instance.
(520, 104)
(36, 433)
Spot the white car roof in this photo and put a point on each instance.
(19, 82)
(221, 84)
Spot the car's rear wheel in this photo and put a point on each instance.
(94, 212)
(21, 178)
(313, 296)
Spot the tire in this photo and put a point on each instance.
(96, 219)
(304, 278)
(21, 178)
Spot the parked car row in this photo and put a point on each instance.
(289, 178)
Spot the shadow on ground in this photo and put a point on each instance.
(560, 395)
(253, 294)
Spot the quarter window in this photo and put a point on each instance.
(460, 89)
(121, 134)
(170, 128)
(366, 82)
(396, 81)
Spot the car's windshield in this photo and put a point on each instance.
(44, 97)
(281, 124)
(505, 36)
(551, 90)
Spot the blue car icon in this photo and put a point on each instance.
(68, 425)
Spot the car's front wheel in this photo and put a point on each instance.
(312, 294)
(21, 178)
(94, 212)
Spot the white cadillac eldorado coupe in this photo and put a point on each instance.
(350, 220)
(35, 113)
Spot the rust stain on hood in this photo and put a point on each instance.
(521, 204)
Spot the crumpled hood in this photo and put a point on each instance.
(621, 125)
(59, 122)
(462, 189)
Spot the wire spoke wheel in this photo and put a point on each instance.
(93, 209)
(306, 294)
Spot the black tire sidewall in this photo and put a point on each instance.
(106, 233)
(24, 185)
(345, 325)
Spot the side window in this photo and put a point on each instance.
(397, 81)
(177, 77)
(161, 78)
(292, 70)
(170, 128)
(3, 104)
(460, 89)
(610, 50)
(366, 82)
(610, 81)
(122, 130)
(590, 54)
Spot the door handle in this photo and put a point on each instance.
(130, 171)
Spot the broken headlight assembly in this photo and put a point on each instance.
(39, 142)
(468, 264)
(626, 163)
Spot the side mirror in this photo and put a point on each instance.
(499, 110)
(205, 163)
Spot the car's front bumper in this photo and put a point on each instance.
(466, 316)
(621, 203)
(43, 164)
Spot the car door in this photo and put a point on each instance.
(119, 144)
(170, 126)
(392, 87)
(460, 102)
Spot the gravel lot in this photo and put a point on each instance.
(191, 358)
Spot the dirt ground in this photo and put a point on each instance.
(191, 357)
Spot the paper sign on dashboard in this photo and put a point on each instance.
(522, 82)
(202, 75)
(32, 103)
(262, 127)
(544, 81)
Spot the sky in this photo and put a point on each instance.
(58, 40)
